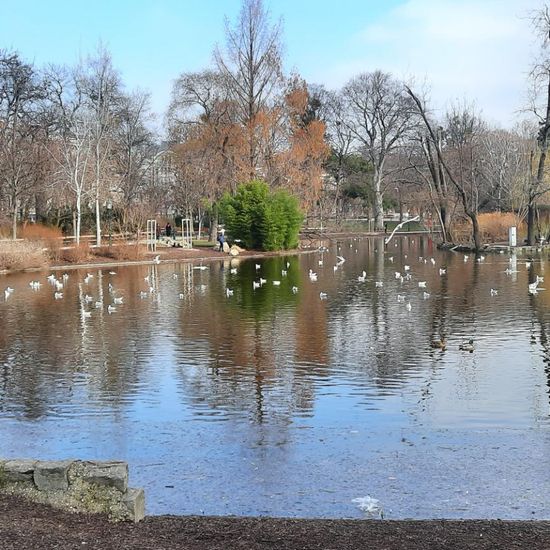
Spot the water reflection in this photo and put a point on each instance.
(274, 401)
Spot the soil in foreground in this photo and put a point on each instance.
(24, 525)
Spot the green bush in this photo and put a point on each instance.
(262, 220)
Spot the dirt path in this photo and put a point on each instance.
(31, 526)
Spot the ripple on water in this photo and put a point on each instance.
(282, 403)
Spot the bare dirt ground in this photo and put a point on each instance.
(24, 525)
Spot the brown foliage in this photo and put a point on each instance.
(288, 150)
(76, 254)
(15, 255)
(50, 237)
(124, 252)
(302, 161)
(493, 227)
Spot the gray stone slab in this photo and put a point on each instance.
(51, 475)
(134, 500)
(110, 474)
(18, 470)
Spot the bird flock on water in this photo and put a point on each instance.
(405, 275)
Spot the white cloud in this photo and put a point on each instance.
(478, 50)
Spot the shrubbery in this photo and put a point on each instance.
(261, 219)
(50, 237)
(15, 255)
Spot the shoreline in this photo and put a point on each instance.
(214, 256)
(210, 254)
(26, 526)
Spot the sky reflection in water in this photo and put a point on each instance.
(269, 402)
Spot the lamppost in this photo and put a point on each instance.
(110, 216)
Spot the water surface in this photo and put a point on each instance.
(280, 403)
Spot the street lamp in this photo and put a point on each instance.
(110, 217)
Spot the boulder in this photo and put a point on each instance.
(111, 474)
(51, 475)
(18, 470)
(134, 500)
(234, 250)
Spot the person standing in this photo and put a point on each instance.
(221, 238)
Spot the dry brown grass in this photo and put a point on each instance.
(75, 254)
(493, 226)
(39, 232)
(15, 255)
(50, 237)
(121, 252)
(5, 230)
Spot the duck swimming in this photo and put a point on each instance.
(439, 344)
(467, 347)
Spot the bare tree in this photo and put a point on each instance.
(458, 153)
(340, 139)
(21, 102)
(540, 106)
(101, 86)
(380, 115)
(251, 66)
(505, 164)
(132, 146)
(197, 97)
(72, 142)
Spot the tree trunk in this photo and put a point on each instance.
(476, 231)
(78, 220)
(443, 219)
(378, 207)
(199, 216)
(214, 225)
(531, 223)
(14, 221)
(97, 222)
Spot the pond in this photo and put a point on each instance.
(230, 399)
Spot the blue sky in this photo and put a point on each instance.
(464, 49)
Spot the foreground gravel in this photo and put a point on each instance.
(24, 525)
